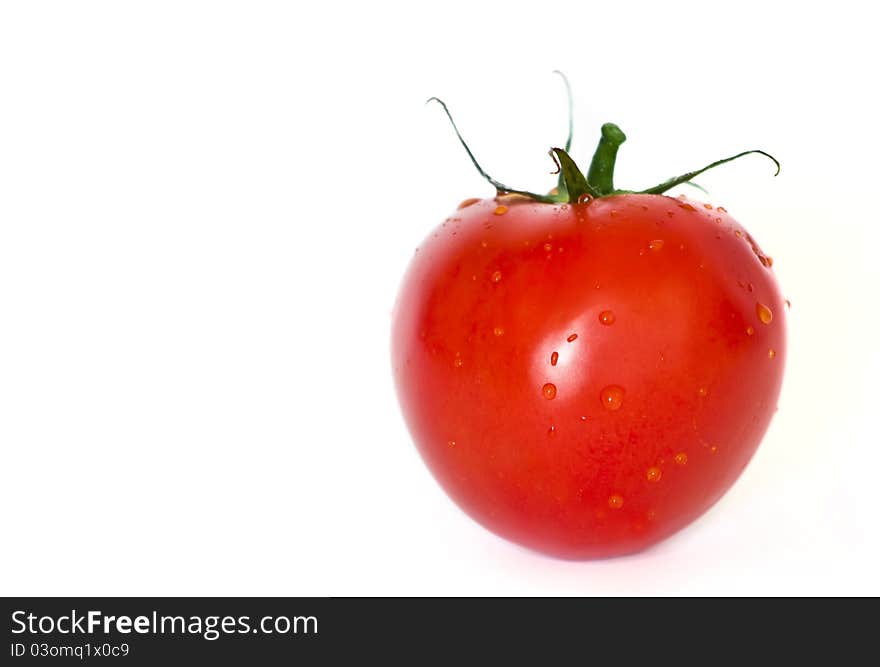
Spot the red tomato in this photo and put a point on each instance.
(586, 379)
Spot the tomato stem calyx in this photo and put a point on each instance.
(573, 186)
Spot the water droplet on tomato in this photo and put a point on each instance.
(607, 317)
(764, 313)
(496, 277)
(722, 209)
(468, 202)
(551, 431)
(766, 260)
(738, 233)
(583, 418)
(554, 358)
(615, 501)
(654, 474)
(681, 459)
(713, 449)
(458, 362)
(451, 443)
(548, 247)
(585, 198)
(788, 304)
(750, 330)
(612, 397)
(500, 210)
(485, 244)
(687, 207)
(656, 244)
(771, 353)
(498, 331)
(707, 206)
(572, 338)
(549, 391)
(702, 391)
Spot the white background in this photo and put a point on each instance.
(205, 212)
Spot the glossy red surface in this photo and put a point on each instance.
(587, 379)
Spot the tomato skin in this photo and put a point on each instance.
(587, 379)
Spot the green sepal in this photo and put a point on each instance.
(684, 178)
(572, 178)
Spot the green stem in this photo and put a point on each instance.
(601, 174)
